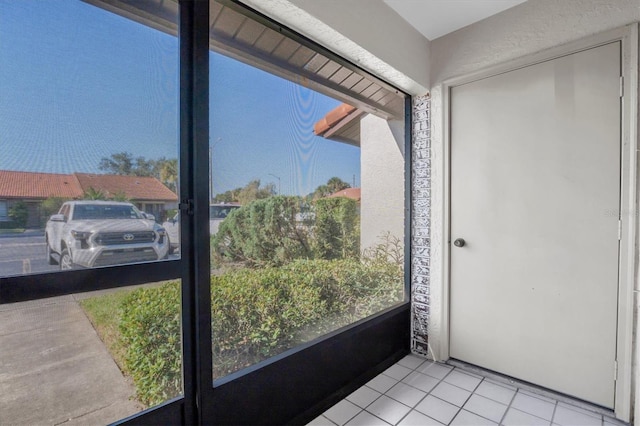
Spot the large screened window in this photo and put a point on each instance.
(194, 201)
(88, 175)
(307, 161)
(89, 124)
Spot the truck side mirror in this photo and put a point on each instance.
(58, 218)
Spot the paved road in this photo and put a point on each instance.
(55, 370)
(26, 253)
(23, 254)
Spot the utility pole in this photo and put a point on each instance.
(211, 168)
(277, 177)
(210, 177)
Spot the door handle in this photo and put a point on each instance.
(459, 242)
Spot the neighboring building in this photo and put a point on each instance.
(147, 193)
(352, 193)
(381, 145)
(32, 189)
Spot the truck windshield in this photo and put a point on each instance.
(106, 211)
(220, 212)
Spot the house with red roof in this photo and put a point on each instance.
(352, 193)
(147, 193)
(381, 143)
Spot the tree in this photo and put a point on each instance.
(263, 232)
(19, 214)
(119, 164)
(119, 196)
(337, 228)
(94, 194)
(252, 191)
(248, 193)
(166, 170)
(332, 186)
(280, 229)
(229, 196)
(123, 163)
(336, 184)
(49, 207)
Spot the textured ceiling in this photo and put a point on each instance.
(435, 18)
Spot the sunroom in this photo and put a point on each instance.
(492, 251)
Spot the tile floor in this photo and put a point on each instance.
(419, 392)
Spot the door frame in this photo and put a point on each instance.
(628, 36)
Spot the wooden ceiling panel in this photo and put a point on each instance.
(317, 62)
(286, 48)
(328, 69)
(240, 34)
(268, 41)
(250, 32)
(228, 23)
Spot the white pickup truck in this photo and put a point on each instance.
(217, 213)
(101, 233)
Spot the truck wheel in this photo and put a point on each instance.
(50, 259)
(170, 251)
(66, 262)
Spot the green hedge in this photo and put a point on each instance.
(9, 224)
(19, 214)
(256, 314)
(150, 333)
(277, 230)
(263, 232)
(337, 228)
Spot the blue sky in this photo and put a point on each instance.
(78, 84)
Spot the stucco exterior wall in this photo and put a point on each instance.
(527, 28)
(524, 30)
(382, 178)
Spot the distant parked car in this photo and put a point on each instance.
(100, 233)
(172, 226)
(217, 213)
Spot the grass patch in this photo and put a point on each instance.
(105, 314)
(11, 231)
(256, 314)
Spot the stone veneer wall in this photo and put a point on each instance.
(420, 223)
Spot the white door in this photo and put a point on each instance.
(535, 193)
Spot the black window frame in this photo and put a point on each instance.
(293, 387)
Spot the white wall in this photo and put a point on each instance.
(527, 28)
(523, 30)
(368, 33)
(382, 179)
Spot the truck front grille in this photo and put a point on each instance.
(120, 256)
(118, 238)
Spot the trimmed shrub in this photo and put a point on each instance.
(259, 313)
(49, 207)
(264, 232)
(277, 230)
(337, 228)
(19, 214)
(150, 332)
(9, 224)
(256, 314)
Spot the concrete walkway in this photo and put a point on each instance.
(55, 370)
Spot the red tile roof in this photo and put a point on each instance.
(134, 187)
(353, 193)
(332, 118)
(28, 185)
(341, 124)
